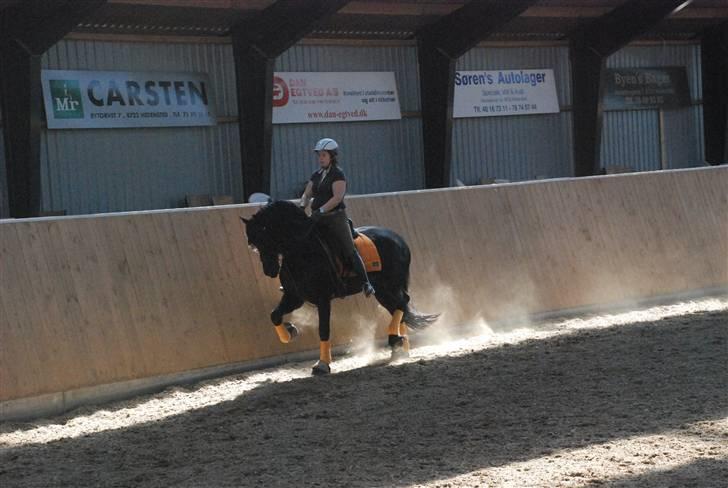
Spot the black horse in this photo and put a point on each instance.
(282, 229)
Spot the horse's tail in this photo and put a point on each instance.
(416, 320)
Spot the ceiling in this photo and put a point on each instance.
(378, 19)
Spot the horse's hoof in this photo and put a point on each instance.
(399, 353)
(397, 345)
(292, 329)
(321, 368)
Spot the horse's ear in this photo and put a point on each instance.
(245, 221)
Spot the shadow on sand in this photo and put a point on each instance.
(416, 422)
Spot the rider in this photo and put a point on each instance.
(327, 187)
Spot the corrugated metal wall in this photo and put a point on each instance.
(632, 138)
(378, 156)
(126, 169)
(106, 170)
(515, 147)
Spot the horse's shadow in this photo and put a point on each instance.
(419, 421)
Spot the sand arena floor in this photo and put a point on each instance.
(636, 399)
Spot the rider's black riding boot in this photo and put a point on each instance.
(358, 267)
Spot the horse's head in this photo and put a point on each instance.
(261, 241)
(273, 230)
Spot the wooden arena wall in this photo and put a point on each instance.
(89, 301)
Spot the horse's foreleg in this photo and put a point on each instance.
(324, 313)
(286, 331)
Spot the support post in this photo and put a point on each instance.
(589, 47)
(714, 62)
(437, 71)
(586, 72)
(254, 73)
(27, 30)
(21, 101)
(438, 47)
(257, 42)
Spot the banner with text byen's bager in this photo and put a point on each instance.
(505, 92)
(308, 97)
(102, 99)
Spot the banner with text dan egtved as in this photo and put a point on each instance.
(505, 92)
(334, 97)
(101, 99)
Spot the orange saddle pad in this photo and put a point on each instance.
(368, 252)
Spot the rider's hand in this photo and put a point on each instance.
(317, 214)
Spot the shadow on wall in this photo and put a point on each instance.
(420, 421)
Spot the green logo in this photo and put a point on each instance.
(66, 96)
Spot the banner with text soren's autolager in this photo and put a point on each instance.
(334, 97)
(101, 99)
(505, 92)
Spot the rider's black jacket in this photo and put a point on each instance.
(323, 190)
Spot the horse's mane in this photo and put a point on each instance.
(287, 216)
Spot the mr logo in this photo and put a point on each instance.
(66, 96)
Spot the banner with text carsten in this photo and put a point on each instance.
(504, 92)
(102, 99)
(306, 97)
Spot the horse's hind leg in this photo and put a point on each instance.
(395, 303)
(397, 341)
(405, 338)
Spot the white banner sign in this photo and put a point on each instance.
(334, 97)
(97, 99)
(506, 92)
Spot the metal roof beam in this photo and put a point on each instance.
(223, 4)
(714, 64)
(458, 32)
(283, 24)
(611, 31)
(257, 41)
(27, 30)
(589, 46)
(438, 47)
(36, 26)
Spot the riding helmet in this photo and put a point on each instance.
(326, 144)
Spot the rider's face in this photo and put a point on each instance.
(324, 159)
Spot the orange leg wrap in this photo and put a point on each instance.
(394, 323)
(403, 333)
(325, 352)
(283, 334)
